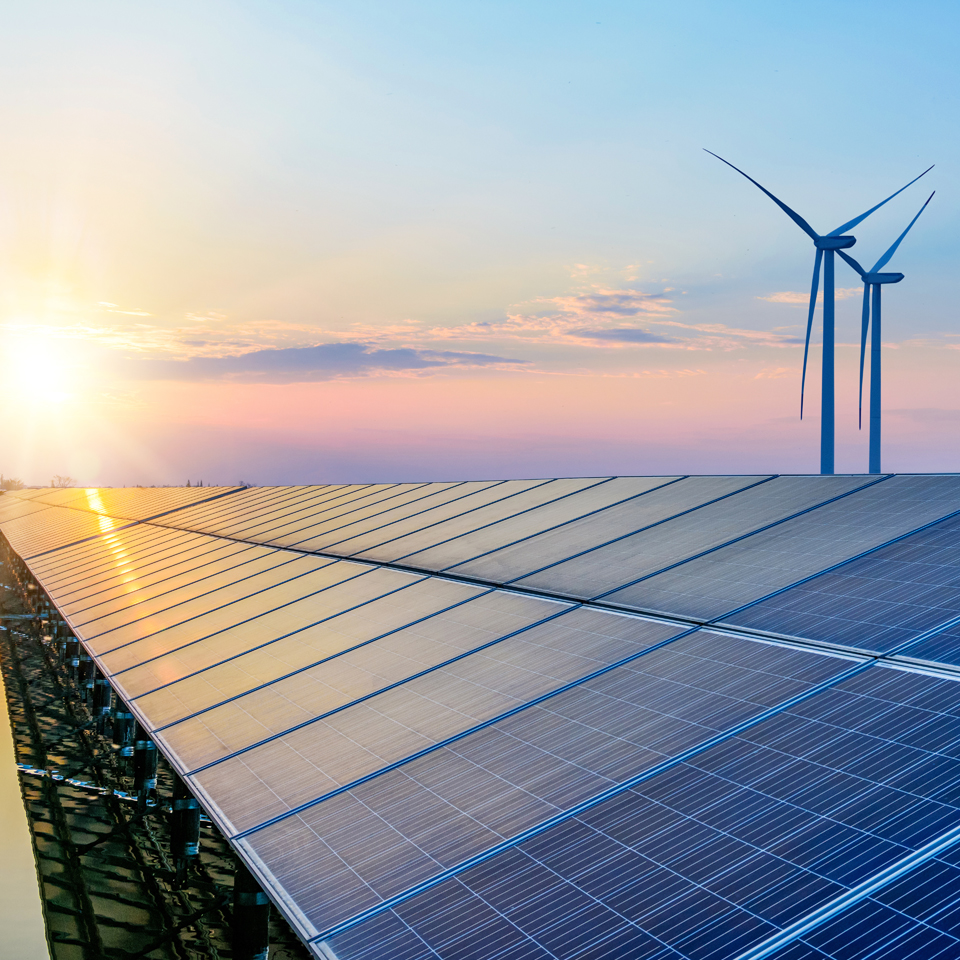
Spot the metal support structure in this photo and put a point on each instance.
(71, 658)
(184, 828)
(124, 727)
(102, 700)
(251, 917)
(85, 676)
(144, 765)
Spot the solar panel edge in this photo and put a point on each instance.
(335, 543)
(643, 529)
(260, 522)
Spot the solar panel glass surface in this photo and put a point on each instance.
(150, 576)
(502, 533)
(712, 856)
(340, 539)
(206, 581)
(446, 530)
(915, 918)
(715, 585)
(463, 797)
(304, 648)
(501, 673)
(336, 511)
(594, 573)
(877, 602)
(498, 498)
(250, 623)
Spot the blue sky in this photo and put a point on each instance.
(223, 207)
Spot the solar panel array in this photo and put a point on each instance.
(644, 717)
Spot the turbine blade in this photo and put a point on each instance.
(793, 215)
(853, 263)
(864, 324)
(814, 289)
(850, 224)
(882, 262)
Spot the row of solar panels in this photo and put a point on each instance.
(696, 547)
(362, 731)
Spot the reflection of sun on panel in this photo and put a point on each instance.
(107, 524)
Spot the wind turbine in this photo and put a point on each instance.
(873, 281)
(826, 244)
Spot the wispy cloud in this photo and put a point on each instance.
(625, 335)
(802, 299)
(113, 308)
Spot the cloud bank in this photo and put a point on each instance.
(323, 361)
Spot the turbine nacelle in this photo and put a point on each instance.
(834, 243)
(882, 277)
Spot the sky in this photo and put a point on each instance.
(306, 242)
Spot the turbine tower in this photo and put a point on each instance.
(873, 283)
(826, 245)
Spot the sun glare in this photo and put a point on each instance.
(36, 368)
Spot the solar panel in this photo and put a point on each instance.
(463, 797)
(207, 581)
(162, 657)
(594, 570)
(878, 602)
(436, 644)
(357, 542)
(305, 647)
(914, 918)
(153, 575)
(448, 502)
(346, 502)
(245, 503)
(38, 533)
(109, 551)
(336, 512)
(712, 856)
(501, 533)
(402, 546)
(716, 584)
(454, 744)
(942, 646)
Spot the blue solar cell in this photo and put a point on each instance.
(714, 585)
(876, 602)
(943, 647)
(915, 918)
(712, 857)
(462, 798)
